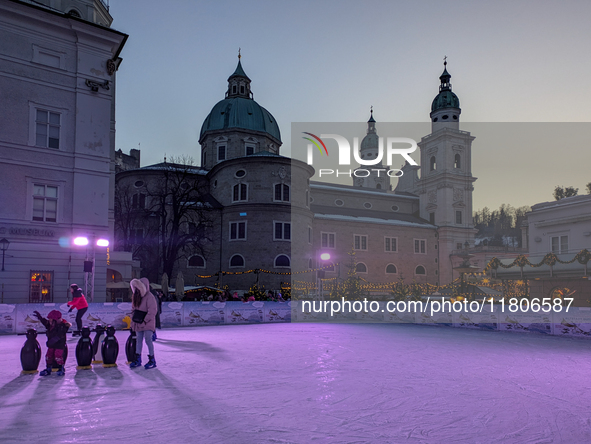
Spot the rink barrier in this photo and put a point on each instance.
(576, 322)
(18, 318)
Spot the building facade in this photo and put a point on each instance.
(270, 223)
(57, 132)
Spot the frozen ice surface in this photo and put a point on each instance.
(307, 383)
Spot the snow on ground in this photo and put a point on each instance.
(311, 383)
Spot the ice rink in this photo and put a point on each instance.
(302, 383)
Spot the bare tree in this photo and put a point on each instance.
(179, 201)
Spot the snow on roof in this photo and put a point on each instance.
(373, 220)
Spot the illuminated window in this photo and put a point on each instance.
(433, 164)
(47, 129)
(41, 286)
(457, 161)
(44, 203)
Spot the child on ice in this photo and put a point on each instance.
(56, 340)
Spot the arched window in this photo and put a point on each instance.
(281, 192)
(361, 268)
(197, 261)
(433, 164)
(391, 269)
(310, 264)
(420, 270)
(457, 161)
(282, 261)
(237, 261)
(378, 186)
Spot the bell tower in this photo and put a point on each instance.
(446, 184)
(378, 180)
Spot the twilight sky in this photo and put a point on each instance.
(329, 61)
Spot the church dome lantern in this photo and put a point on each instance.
(445, 108)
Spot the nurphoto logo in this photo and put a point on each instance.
(344, 150)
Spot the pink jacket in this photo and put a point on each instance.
(148, 304)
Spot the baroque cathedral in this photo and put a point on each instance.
(268, 222)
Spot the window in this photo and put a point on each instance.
(359, 242)
(197, 261)
(391, 244)
(360, 268)
(433, 164)
(420, 246)
(378, 186)
(221, 152)
(236, 261)
(432, 218)
(310, 264)
(282, 231)
(249, 149)
(41, 286)
(367, 205)
(44, 203)
(420, 270)
(309, 235)
(237, 230)
(391, 269)
(327, 240)
(240, 173)
(307, 198)
(204, 159)
(281, 192)
(282, 261)
(240, 192)
(458, 217)
(138, 200)
(458, 246)
(47, 129)
(559, 244)
(457, 161)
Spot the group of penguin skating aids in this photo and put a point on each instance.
(104, 349)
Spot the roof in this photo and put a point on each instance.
(239, 72)
(351, 189)
(242, 113)
(445, 99)
(162, 166)
(267, 154)
(396, 221)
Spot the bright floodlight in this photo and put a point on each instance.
(81, 241)
(102, 243)
(325, 256)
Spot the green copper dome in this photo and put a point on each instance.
(240, 113)
(445, 99)
(239, 110)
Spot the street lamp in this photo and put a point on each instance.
(323, 257)
(89, 264)
(4, 243)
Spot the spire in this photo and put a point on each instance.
(371, 123)
(238, 82)
(445, 77)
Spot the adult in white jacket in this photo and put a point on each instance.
(143, 300)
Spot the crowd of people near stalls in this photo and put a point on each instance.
(227, 296)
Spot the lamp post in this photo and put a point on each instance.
(323, 257)
(4, 243)
(89, 265)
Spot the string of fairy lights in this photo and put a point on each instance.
(508, 288)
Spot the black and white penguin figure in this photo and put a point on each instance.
(96, 344)
(130, 347)
(31, 353)
(84, 350)
(110, 348)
